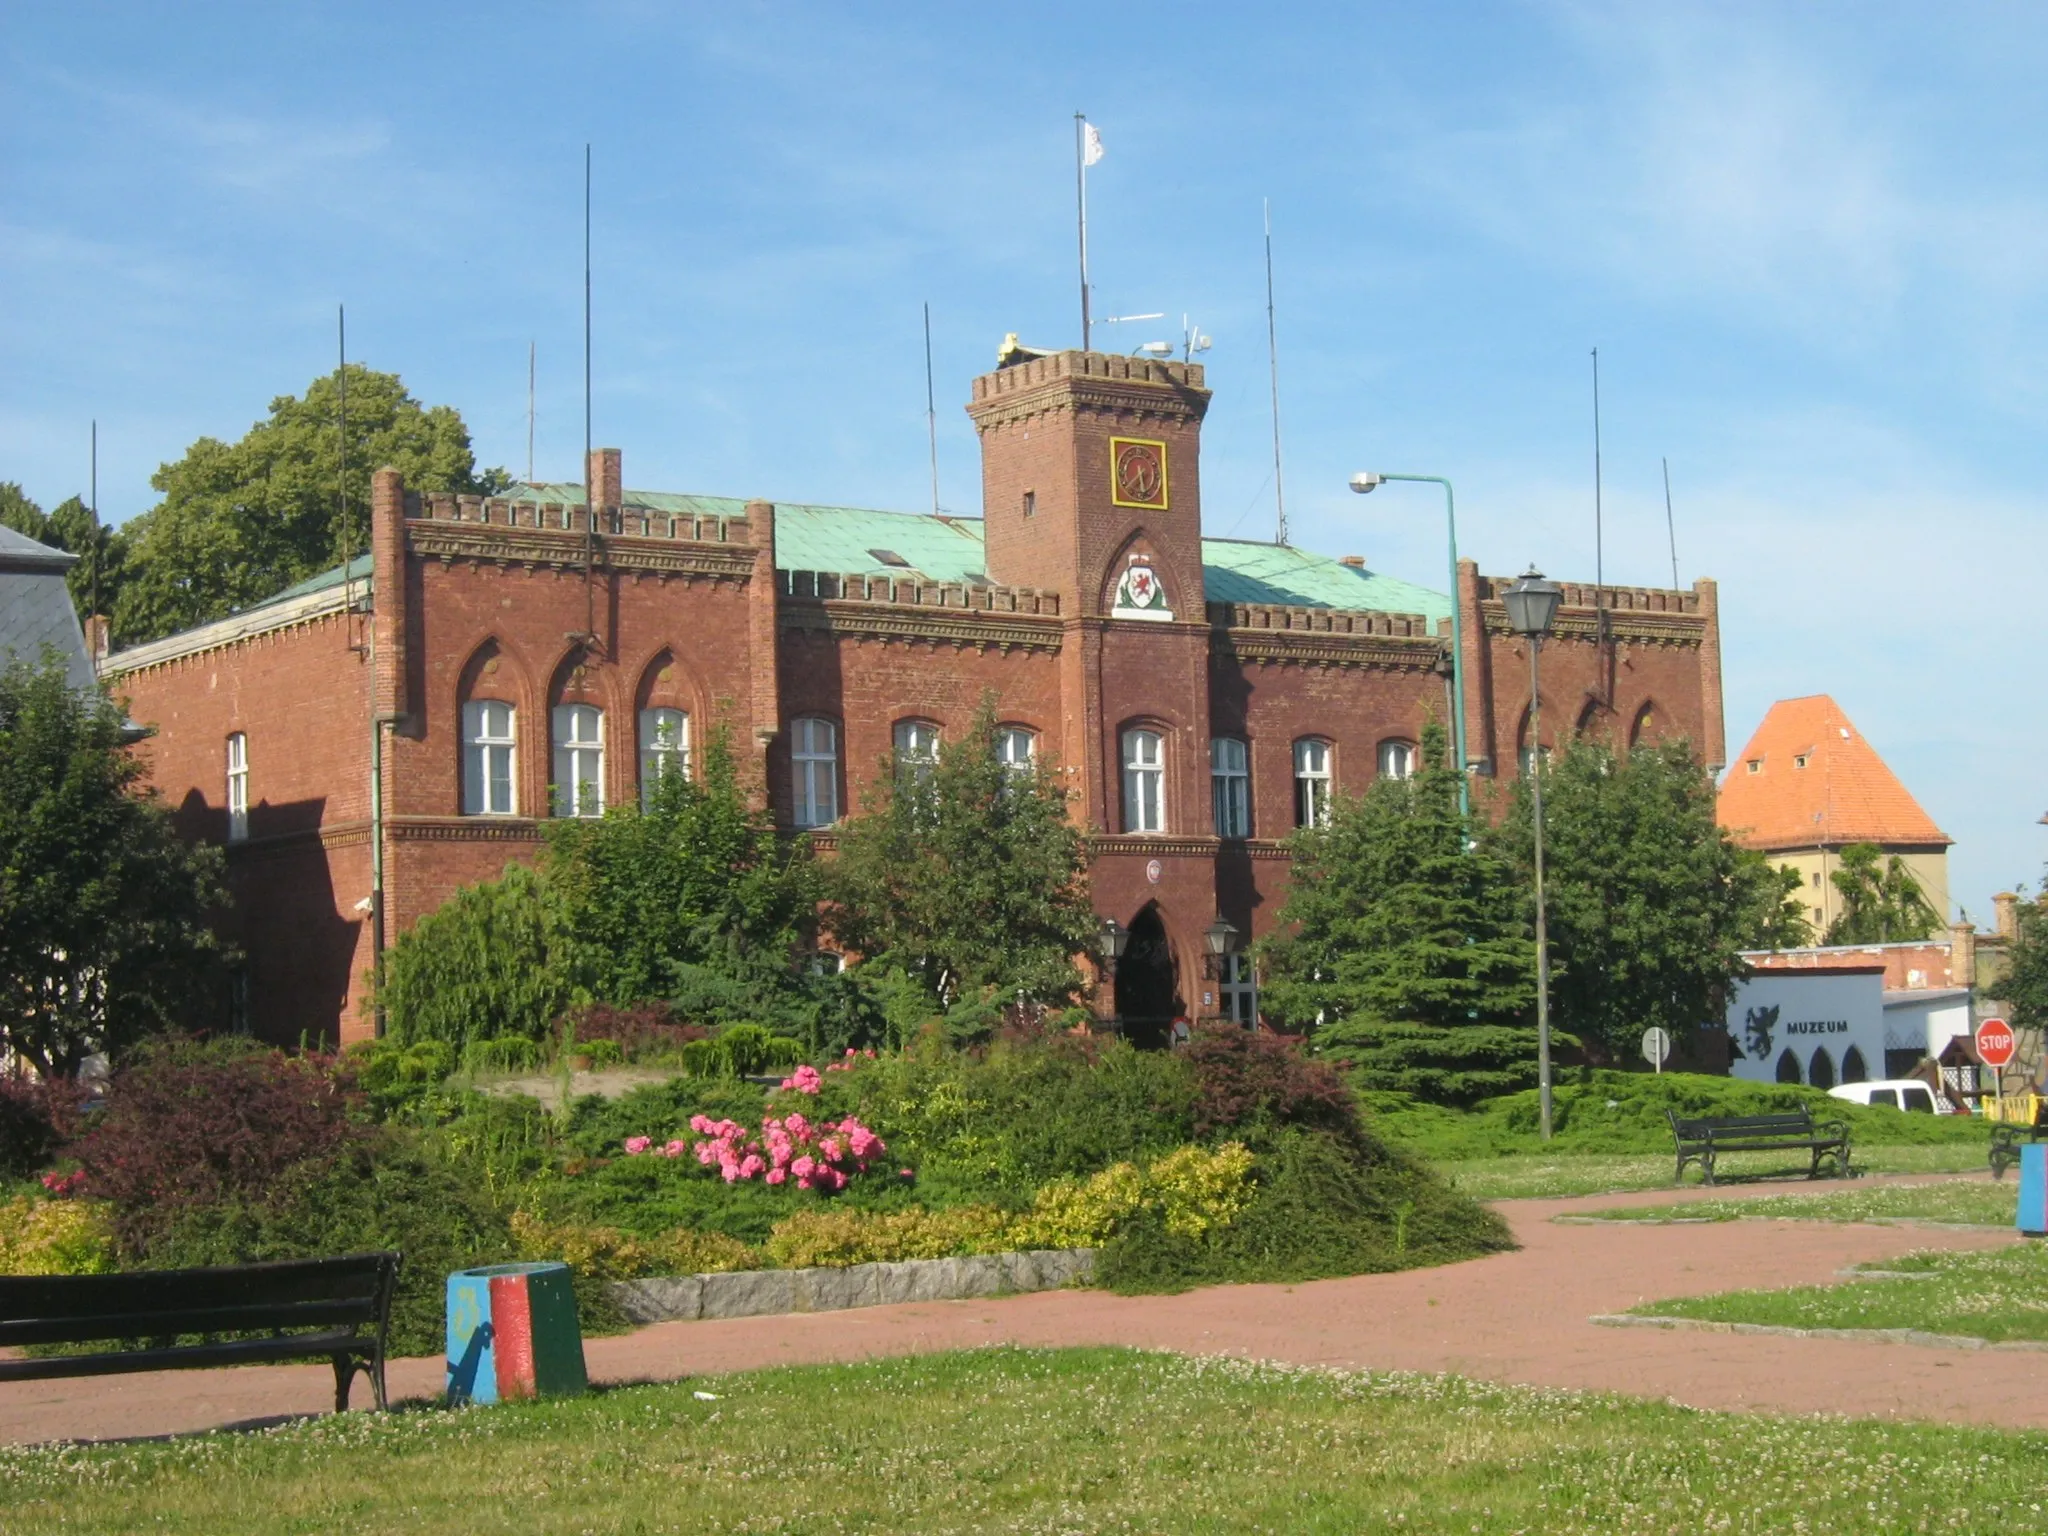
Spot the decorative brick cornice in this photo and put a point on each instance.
(269, 619)
(1636, 628)
(979, 628)
(462, 829)
(554, 548)
(1139, 845)
(1266, 647)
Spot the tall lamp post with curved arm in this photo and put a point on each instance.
(1532, 609)
(1368, 481)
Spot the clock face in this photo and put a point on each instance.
(1137, 472)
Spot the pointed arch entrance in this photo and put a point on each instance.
(1147, 997)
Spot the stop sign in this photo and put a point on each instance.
(1995, 1042)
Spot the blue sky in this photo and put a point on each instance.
(1810, 242)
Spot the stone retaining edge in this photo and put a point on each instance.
(765, 1292)
(1867, 1335)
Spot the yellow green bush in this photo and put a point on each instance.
(606, 1253)
(838, 1237)
(1081, 1213)
(55, 1237)
(1198, 1190)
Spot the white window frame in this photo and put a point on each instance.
(664, 747)
(238, 787)
(814, 771)
(1397, 759)
(1313, 782)
(1144, 759)
(490, 758)
(1017, 750)
(1230, 786)
(1237, 993)
(917, 746)
(578, 735)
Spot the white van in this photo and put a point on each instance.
(1908, 1093)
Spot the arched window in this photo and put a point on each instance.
(917, 746)
(1853, 1069)
(579, 760)
(238, 787)
(1231, 785)
(1144, 781)
(1016, 749)
(664, 747)
(1821, 1074)
(1311, 782)
(1397, 760)
(1644, 731)
(489, 781)
(814, 771)
(1788, 1066)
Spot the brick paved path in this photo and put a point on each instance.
(1517, 1317)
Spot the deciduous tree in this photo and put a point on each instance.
(968, 874)
(104, 909)
(241, 521)
(1649, 902)
(1882, 902)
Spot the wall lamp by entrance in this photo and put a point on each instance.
(1110, 939)
(1221, 937)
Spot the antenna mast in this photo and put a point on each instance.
(94, 574)
(1599, 542)
(341, 528)
(1081, 204)
(1273, 362)
(589, 491)
(529, 412)
(931, 413)
(1670, 528)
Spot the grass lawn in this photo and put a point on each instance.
(1534, 1175)
(1050, 1441)
(1972, 1202)
(1996, 1295)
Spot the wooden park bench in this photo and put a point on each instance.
(1702, 1140)
(175, 1319)
(2006, 1136)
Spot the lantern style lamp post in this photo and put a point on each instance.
(1365, 483)
(1532, 610)
(1111, 937)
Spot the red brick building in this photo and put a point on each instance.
(497, 661)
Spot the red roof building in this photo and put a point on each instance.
(1808, 785)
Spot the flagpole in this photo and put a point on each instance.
(1081, 202)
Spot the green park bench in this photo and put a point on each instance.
(2006, 1136)
(175, 1319)
(1702, 1140)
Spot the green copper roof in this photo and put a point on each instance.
(357, 569)
(852, 540)
(1241, 571)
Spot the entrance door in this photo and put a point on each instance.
(1146, 1000)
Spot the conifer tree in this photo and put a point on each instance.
(1402, 944)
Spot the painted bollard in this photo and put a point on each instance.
(512, 1334)
(2033, 1215)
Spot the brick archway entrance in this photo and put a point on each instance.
(1146, 995)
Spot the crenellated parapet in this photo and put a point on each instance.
(857, 605)
(1265, 634)
(637, 540)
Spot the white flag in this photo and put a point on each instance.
(1091, 144)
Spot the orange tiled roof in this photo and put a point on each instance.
(1808, 779)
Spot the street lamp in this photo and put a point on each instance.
(1532, 610)
(1365, 483)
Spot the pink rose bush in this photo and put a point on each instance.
(804, 1079)
(789, 1149)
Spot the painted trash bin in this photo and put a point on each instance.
(513, 1334)
(2033, 1213)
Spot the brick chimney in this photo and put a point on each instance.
(607, 477)
(2007, 906)
(1962, 954)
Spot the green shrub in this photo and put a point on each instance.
(394, 1076)
(837, 1237)
(502, 1053)
(607, 1253)
(385, 1193)
(1441, 1064)
(1323, 1206)
(598, 1127)
(477, 968)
